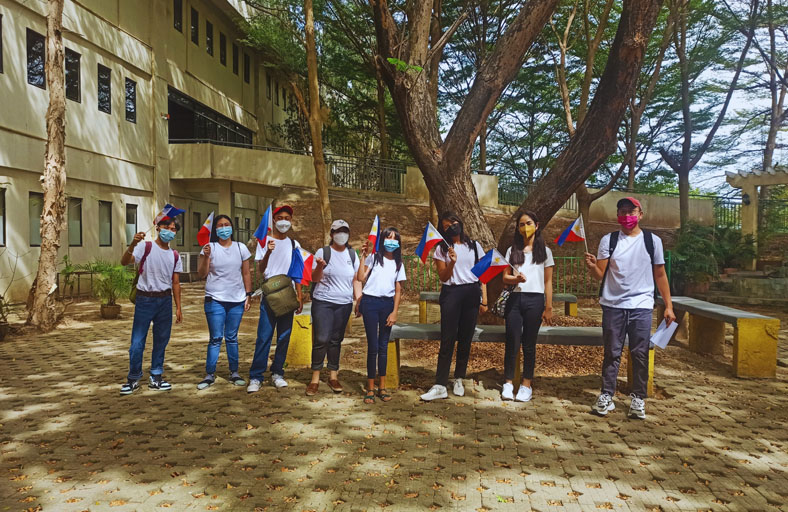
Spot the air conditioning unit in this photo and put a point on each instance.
(189, 260)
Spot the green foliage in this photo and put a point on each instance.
(731, 249)
(4, 310)
(403, 66)
(694, 255)
(111, 282)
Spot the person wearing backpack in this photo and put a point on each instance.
(529, 303)
(629, 263)
(333, 274)
(462, 299)
(380, 276)
(275, 260)
(228, 287)
(157, 283)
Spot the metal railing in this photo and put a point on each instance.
(366, 173)
(773, 215)
(514, 193)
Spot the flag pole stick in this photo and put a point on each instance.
(585, 241)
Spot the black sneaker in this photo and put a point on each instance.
(129, 387)
(158, 383)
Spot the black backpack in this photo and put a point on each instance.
(648, 239)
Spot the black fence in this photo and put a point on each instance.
(773, 215)
(366, 173)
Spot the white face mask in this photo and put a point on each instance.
(341, 238)
(283, 226)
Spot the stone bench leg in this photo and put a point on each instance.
(570, 308)
(299, 352)
(392, 365)
(706, 336)
(630, 377)
(422, 311)
(755, 347)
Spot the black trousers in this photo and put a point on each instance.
(459, 312)
(328, 330)
(523, 320)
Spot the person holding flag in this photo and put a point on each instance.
(462, 299)
(275, 254)
(228, 291)
(629, 263)
(529, 304)
(374, 236)
(381, 276)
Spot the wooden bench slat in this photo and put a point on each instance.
(548, 335)
(711, 310)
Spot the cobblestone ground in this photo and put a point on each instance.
(68, 441)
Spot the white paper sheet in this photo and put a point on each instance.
(664, 333)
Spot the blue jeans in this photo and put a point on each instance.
(224, 318)
(375, 311)
(146, 310)
(262, 345)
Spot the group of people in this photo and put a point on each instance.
(629, 264)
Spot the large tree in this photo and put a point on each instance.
(43, 312)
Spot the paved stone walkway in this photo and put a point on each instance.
(68, 441)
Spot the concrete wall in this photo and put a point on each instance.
(658, 211)
(486, 187)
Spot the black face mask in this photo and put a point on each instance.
(454, 230)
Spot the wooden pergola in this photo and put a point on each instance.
(749, 182)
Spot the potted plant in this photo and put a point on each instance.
(695, 263)
(111, 282)
(732, 250)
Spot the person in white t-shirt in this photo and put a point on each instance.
(159, 268)
(333, 272)
(629, 262)
(529, 304)
(274, 260)
(462, 299)
(380, 276)
(228, 287)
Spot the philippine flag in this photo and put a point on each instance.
(574, 233)
(374, 235)
(429, 239)
(265, 227)
(168, 212)
(301, 266)
(489, 266)
(204, 234)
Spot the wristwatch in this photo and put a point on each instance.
(249, 294)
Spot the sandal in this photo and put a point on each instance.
(369, 398)
(383, 394)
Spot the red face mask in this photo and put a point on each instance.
(628, 221)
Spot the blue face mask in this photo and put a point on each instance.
(224, 232)
(166, 235)
(390, 245)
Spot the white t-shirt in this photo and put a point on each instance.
(336, 284)
(465, 261)
(382, 279)
(534, 274)
(281, 257)
(630, 277)
(225, 281)
(158, 269)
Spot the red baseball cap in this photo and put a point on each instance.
(285, 207)
(631, 200)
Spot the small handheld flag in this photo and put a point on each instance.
(301, 266)
(429, 239)
(265, 227)
(489, 266)
(374, 235)
(204, 234)
(574, 233)
(168, 212)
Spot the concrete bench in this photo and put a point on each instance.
(569, 300)
(754, 336)
(548, 335)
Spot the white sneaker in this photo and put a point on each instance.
(278, 381)
(435, 392)
(254, 386)
(524, 394)
(637, 409)
(508, 391)
(459, 389)
(603, 405)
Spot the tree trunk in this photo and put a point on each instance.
(483, 149)
(43, 313)
(316, 119)
(584, 200)
(684, 187)
(385, 151)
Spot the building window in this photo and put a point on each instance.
(179, 236)
(209, 37)
(35, 205)
(235, 58)
(195, 27)
(74, 222)
(222, 49)
(104, 89)
(196, 225)
(177, 15)
(190, 119)
(73, 79)
(268, 86)
(247, 68)
(131, 222)
(36, 55)
(131, 100)
(1, 43)
(2, 217)
(276, 95)
(105, 224)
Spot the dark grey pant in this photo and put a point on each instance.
(523, 320)
(328, 330)
(617, 325)
(459, 311)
